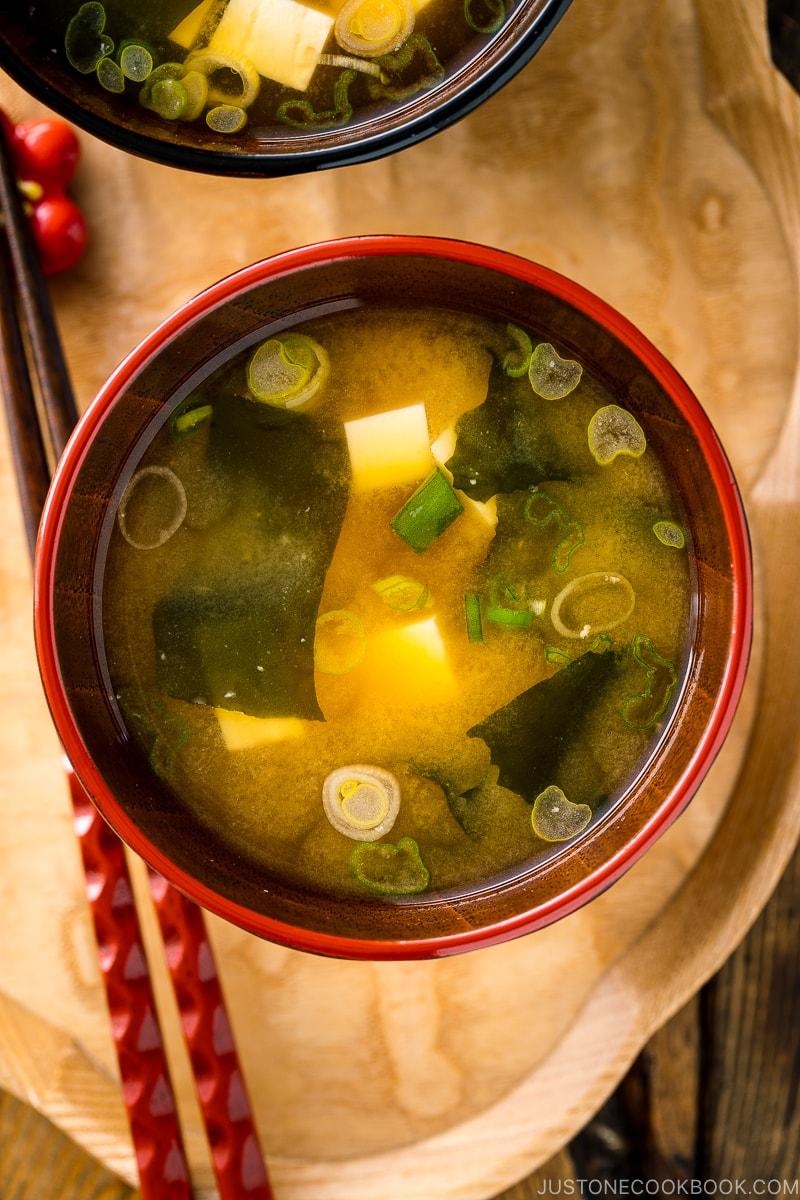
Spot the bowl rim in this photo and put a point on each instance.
(220, 162)
(294, 936)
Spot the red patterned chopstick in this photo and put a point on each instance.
(146, 1089)
(235, 1151)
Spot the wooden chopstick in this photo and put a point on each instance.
(235, 1151)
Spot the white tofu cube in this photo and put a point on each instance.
(283, 39)
(187, 33)
(389, 448)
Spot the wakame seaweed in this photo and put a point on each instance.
(239, 632)
(504, 445)
(528, 737)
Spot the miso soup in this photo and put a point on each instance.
(279, 67)
(397, 601)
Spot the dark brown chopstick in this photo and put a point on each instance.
(57, 399)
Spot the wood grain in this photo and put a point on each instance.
(607, 160)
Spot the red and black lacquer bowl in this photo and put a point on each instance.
(103, 453)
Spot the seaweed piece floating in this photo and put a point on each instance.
(390, 870)
(645, 709)
(239, 634)
(553, 377)
(503, 445)
(528, 737)
(163, 732)
(614, 431)
(516, 363)
(86, 41)
(555, 818)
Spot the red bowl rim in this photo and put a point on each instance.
(297, 937)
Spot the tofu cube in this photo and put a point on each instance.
(240, 732)
(409, 666)
(187, 33)
(283, 39)
(389, 448)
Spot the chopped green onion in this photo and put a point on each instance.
(196, 86)
(288, 370)
(516, 362)
(553, 377)
(346, 61)
(670, 534)
(427, 513)
(512, 618)
(401, 593)
(109, 76)
(643, 710)
(209, 63)
(186, 422)
(135, 60)
(85, 42)
(472, 610)
(555, 818)
(400, 87)
(553, 654)
(374, 27)
(599, 601)
(613, 431)
(169, 99)
(495, 15)
(170, 70)
(226, 118)
(602, 642)
(390, 870)
(563, 552)
(302, 115)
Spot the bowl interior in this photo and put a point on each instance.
(28, 54)
(77, 525)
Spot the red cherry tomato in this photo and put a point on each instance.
(60, 233)
(46, 150)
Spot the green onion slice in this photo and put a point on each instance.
(135, 60)
(555, 818)
(362, 802)
(390, 870)
(226, 118)
(553, 377)
(288, 371)
(109, 76)
(472, 611)
(169, 99)
(669, 533)
(196, 87)
(592, 604)
(511, 618)
(517, 362)
(404, 79)
(542, 509)
(643, 710)
(302, 115)
(186, 422)
(169, 70)
(374, 27)
(554, 655)
(427, 513)
(562, 554)
(402, 593)
(347, 62)
(484, 16)
(85, 43)
(247, 77)
(614, 431)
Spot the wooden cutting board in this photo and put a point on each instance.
(609, 159)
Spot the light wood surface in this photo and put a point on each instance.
(641, 153)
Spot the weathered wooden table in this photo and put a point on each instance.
(651, 151)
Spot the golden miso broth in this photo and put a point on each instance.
(398, 600)
(275, 67)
